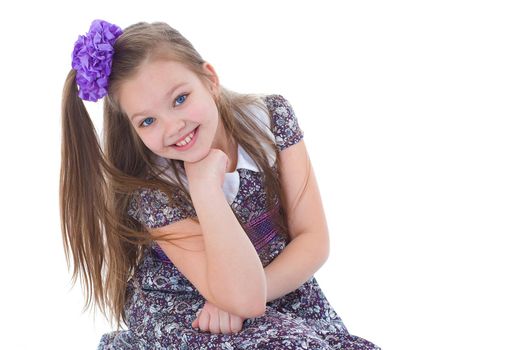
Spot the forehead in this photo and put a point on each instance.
(149, 85)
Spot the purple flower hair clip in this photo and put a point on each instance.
(92, 57)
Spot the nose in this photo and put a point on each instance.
(174, 129)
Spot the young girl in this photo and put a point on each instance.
(199, 223)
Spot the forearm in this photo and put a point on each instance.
(234, 270)
(298, 261)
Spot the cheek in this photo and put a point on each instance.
(202, 112)
(152, 142)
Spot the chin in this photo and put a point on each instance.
(196, 159)
(192, 159)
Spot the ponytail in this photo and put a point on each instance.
(102, 241)
(82, 192)
(102, 245)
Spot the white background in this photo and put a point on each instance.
(413, 114)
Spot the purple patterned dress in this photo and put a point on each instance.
(163, 303)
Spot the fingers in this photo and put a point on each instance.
(224, 322)
(220, 322)
(195, 323)
(204, 321)
(236, 323)
(214, 320)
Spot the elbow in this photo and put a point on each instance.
(239, 305)
(253, 310)
(327, 253)
(325, 257)
(258, 313)
(246, 299)
(326, 250)
(255, 305)
(252, 307)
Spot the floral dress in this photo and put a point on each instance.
(162, 303)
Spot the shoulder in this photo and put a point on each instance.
(284, 123)
(152, 208)
(277, 104)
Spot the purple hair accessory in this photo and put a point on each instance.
(92, 58)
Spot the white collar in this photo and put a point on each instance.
(244, 161)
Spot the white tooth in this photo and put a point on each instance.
(186, 140)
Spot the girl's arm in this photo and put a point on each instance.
(309, 248)
(234, 270)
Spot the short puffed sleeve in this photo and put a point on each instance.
(152, 209)
(284, 124)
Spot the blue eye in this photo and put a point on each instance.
(147, 122)
(181, 101)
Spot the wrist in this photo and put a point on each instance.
(205, 191)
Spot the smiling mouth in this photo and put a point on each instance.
(188, 140)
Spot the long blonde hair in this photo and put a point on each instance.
(96, 183)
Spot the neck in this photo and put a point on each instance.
(227, 146)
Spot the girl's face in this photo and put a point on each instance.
(166, 102)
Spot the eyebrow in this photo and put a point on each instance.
(168, 94)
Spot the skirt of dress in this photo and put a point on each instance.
(162, 305)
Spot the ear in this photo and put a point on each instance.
(213, 78)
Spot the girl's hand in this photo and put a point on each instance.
(208, 171)
(212, 319)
